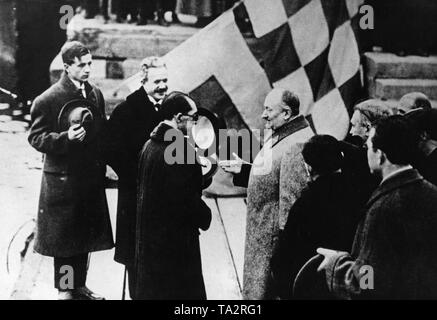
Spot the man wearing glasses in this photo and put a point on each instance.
(170, 210)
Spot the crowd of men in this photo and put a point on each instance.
(351, 219)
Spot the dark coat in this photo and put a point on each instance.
(170, 212)
(326, 215)
(427, 167)
(398, 239)
(73, 216)
(128, 129)
(356, 168)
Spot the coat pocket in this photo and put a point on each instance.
(57, 190)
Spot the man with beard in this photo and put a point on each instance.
(274, 181)
(170, 210)
(129, 128)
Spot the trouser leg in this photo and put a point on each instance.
(169, 5)
(131, 280)
(147, 9)
(71, 272)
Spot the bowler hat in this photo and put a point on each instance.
(78, 111)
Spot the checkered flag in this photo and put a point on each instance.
(307, 46)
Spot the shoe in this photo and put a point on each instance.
(120, 19)
(142, 22)
(175, 18)
(84, 293)
(203, 22)
(163, 22)
(401, 53)
(132, 18)
(65, 295)
(422, 52)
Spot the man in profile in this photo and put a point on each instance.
(170, 210)
(393, 255)
(274, 181)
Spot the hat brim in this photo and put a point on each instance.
(209, 168)
(63, 118)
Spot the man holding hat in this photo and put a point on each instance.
(73, 218)
(170, 210)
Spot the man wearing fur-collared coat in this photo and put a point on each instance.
(274, 181)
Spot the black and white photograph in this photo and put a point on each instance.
(218, 150)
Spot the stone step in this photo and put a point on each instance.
(130, 67)
(108, 88)
(388, 65)
(115, 69)
(118, 49)
(128, 41)
(396, 88)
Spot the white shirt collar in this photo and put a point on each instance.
(408, 167)
(78, 84)
(155, 103)
(153, 100)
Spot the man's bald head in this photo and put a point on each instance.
(288, 99)
(412, 101)
(280, 107)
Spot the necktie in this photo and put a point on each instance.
(157, 106)
(82, 90)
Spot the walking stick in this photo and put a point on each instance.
(123, 293)
(7, 92)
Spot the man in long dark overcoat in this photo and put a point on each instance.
(73, 217)
(170, 210)
(129, 128)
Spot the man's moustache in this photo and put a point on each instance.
(162, 91)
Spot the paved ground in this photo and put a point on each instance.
(20, 173)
